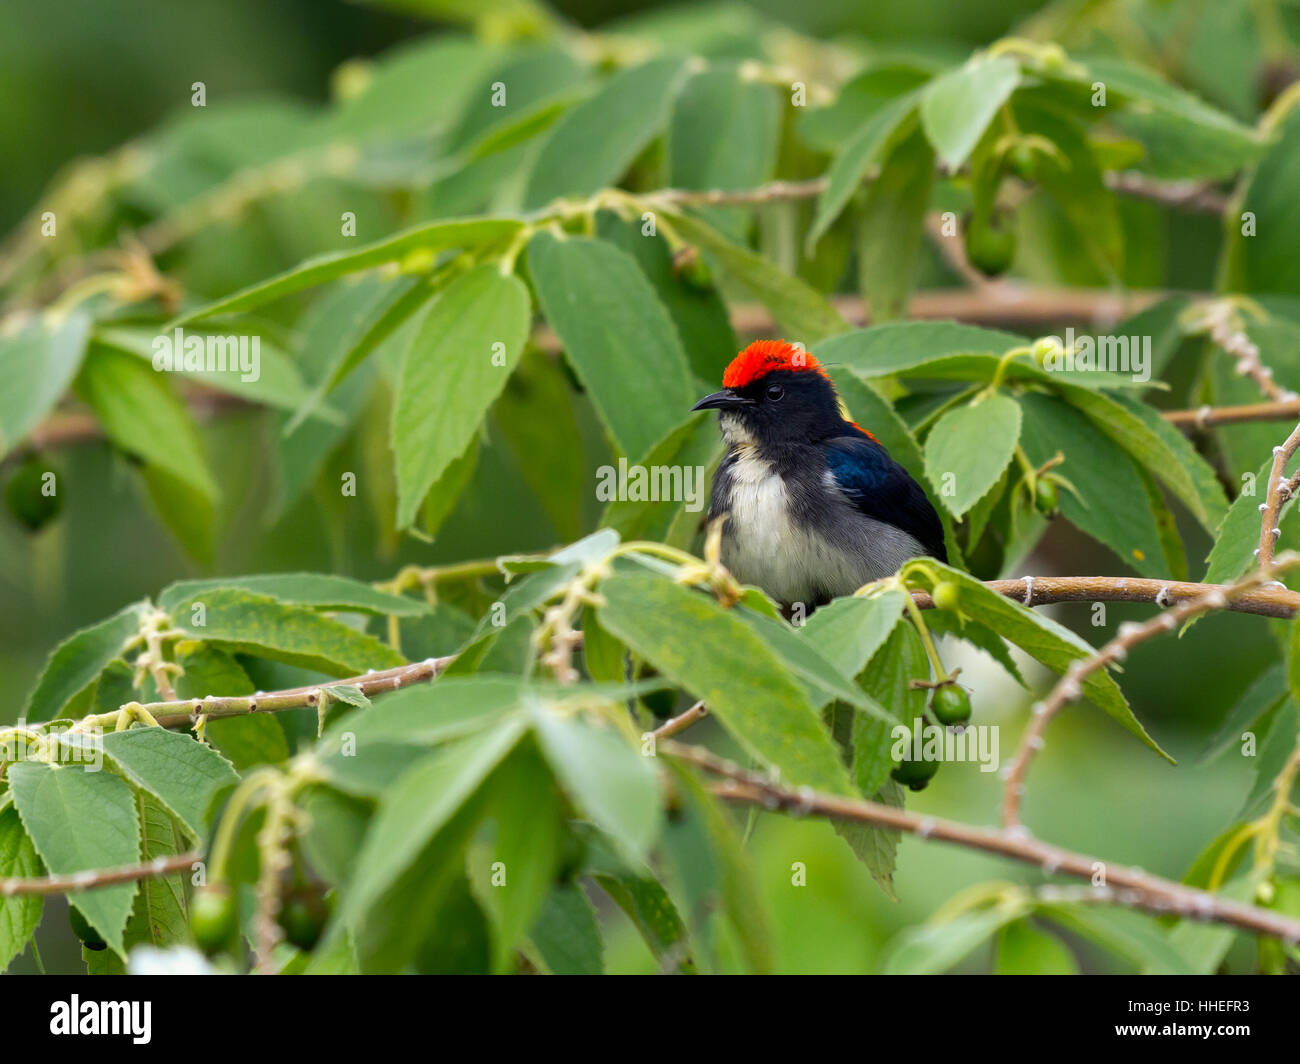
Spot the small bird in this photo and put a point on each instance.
(815, 505)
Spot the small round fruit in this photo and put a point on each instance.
(1023, 162)
(1046, 497)
(213, 918)
(303, 919)
(90, 938)
(946, 595)
(915, 775)
(950, 704)
(32, 497)
(991, 244)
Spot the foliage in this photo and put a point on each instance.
(529, 239)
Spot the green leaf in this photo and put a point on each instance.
(724, 133)
(1023, 949)
(243, 622)
(593, 145)
(435, 236)
(1044, 640)
(142, 415)
(1109, 505)
(651, 910)
(854, 159)
(322, 591)
(567, 935)
(1152, 450)
(20, 913)
(77, 662)
(179, 771)
(933, 948)
(275, 379)
(803, 658)
(81, 821)
(957, 107)
(1237, 537)
(1261, 697)
(969, 447)
(423, 802)
(609, 780)
(252, 739)
(514, 874)
(882, 350)
(799, 308)
(1184, 136)
(160, 917)
(848, 631)
(37, 364)
(617, 336)
(888, 678)
(458, 362)
(718, 658)
(892, 228)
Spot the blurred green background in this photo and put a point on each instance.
(80, 77)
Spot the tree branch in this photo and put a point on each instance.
(1130, 887)
(1070, 686)
(1278, 491)
(104, 877)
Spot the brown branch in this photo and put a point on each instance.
(1130, 887)
(1044, 590)
(1070, 686)
(1206, 416)
(681, 722)
(104, 877)
(1278, 492)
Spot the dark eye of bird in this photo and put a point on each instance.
(774, 392)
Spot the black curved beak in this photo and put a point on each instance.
(722, 400)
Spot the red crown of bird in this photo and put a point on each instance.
(763, 356)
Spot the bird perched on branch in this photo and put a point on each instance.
(815, 505)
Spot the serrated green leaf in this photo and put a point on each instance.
(81, 821)
(1237, 537)
(322, 591)
(243, 622)
(142, 415)
(434, 236)
(458, 362)
(701, 647)
(591, 146)
(956, 107)
(805, 313)
(77, 662)
(180, 772)
(567, 935)
(892, 228)
(933, 948)
(848, 631)
(20, 913)
(617, 336)
(969, 447)
(609, 780)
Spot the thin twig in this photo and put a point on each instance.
(1265, 601)
(1070, 686)
(1278, 492)
(1207, 416)
(1130, 887)
(681, 722)
(103, 877)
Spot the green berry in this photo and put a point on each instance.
(950, 704)
(302, 919)
(213, 918)
(90, 938)
(991, 244)
(30, 496)
(915, 775)
(946, 595)
(1046, 497)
